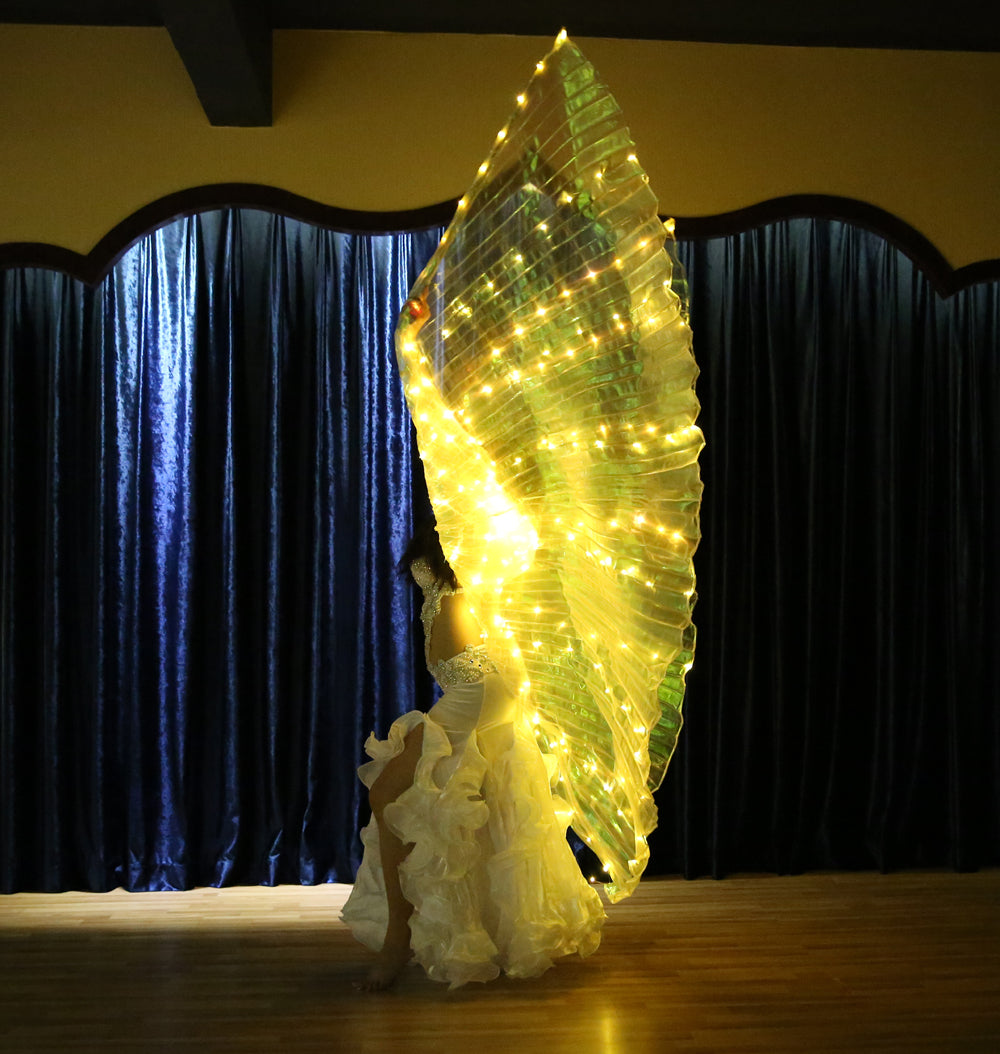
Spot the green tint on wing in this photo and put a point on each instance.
(547, 362)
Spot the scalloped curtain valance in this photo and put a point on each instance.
(93, 266)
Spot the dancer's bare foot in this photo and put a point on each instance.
(388, 966)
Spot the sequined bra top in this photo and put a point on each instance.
(467, 667)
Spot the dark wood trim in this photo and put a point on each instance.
(92, 267)
(945, 279)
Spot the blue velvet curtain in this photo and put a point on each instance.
(843, 707)
(208, 473)
(207, 478)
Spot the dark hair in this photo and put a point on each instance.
(426, 544)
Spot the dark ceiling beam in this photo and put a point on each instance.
(958, 25)
(226, 47)
(963, 25)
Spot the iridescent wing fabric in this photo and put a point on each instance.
(547, 362)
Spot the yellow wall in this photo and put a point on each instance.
(95, 123)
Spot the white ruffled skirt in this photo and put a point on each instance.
(493, 883)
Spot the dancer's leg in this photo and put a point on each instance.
(395, 778)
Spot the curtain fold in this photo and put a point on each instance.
(842, 711)
(208, 472)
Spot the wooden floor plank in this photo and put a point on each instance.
(812, 963)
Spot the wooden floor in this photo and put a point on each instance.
(823, 962)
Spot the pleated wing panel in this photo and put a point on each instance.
(547, 362)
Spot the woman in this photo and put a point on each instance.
(466, 866)
(546, 360)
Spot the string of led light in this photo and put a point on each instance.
(546, 359)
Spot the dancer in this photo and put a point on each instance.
(546, 359)
(466, 862)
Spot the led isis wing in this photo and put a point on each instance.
(547, 363)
